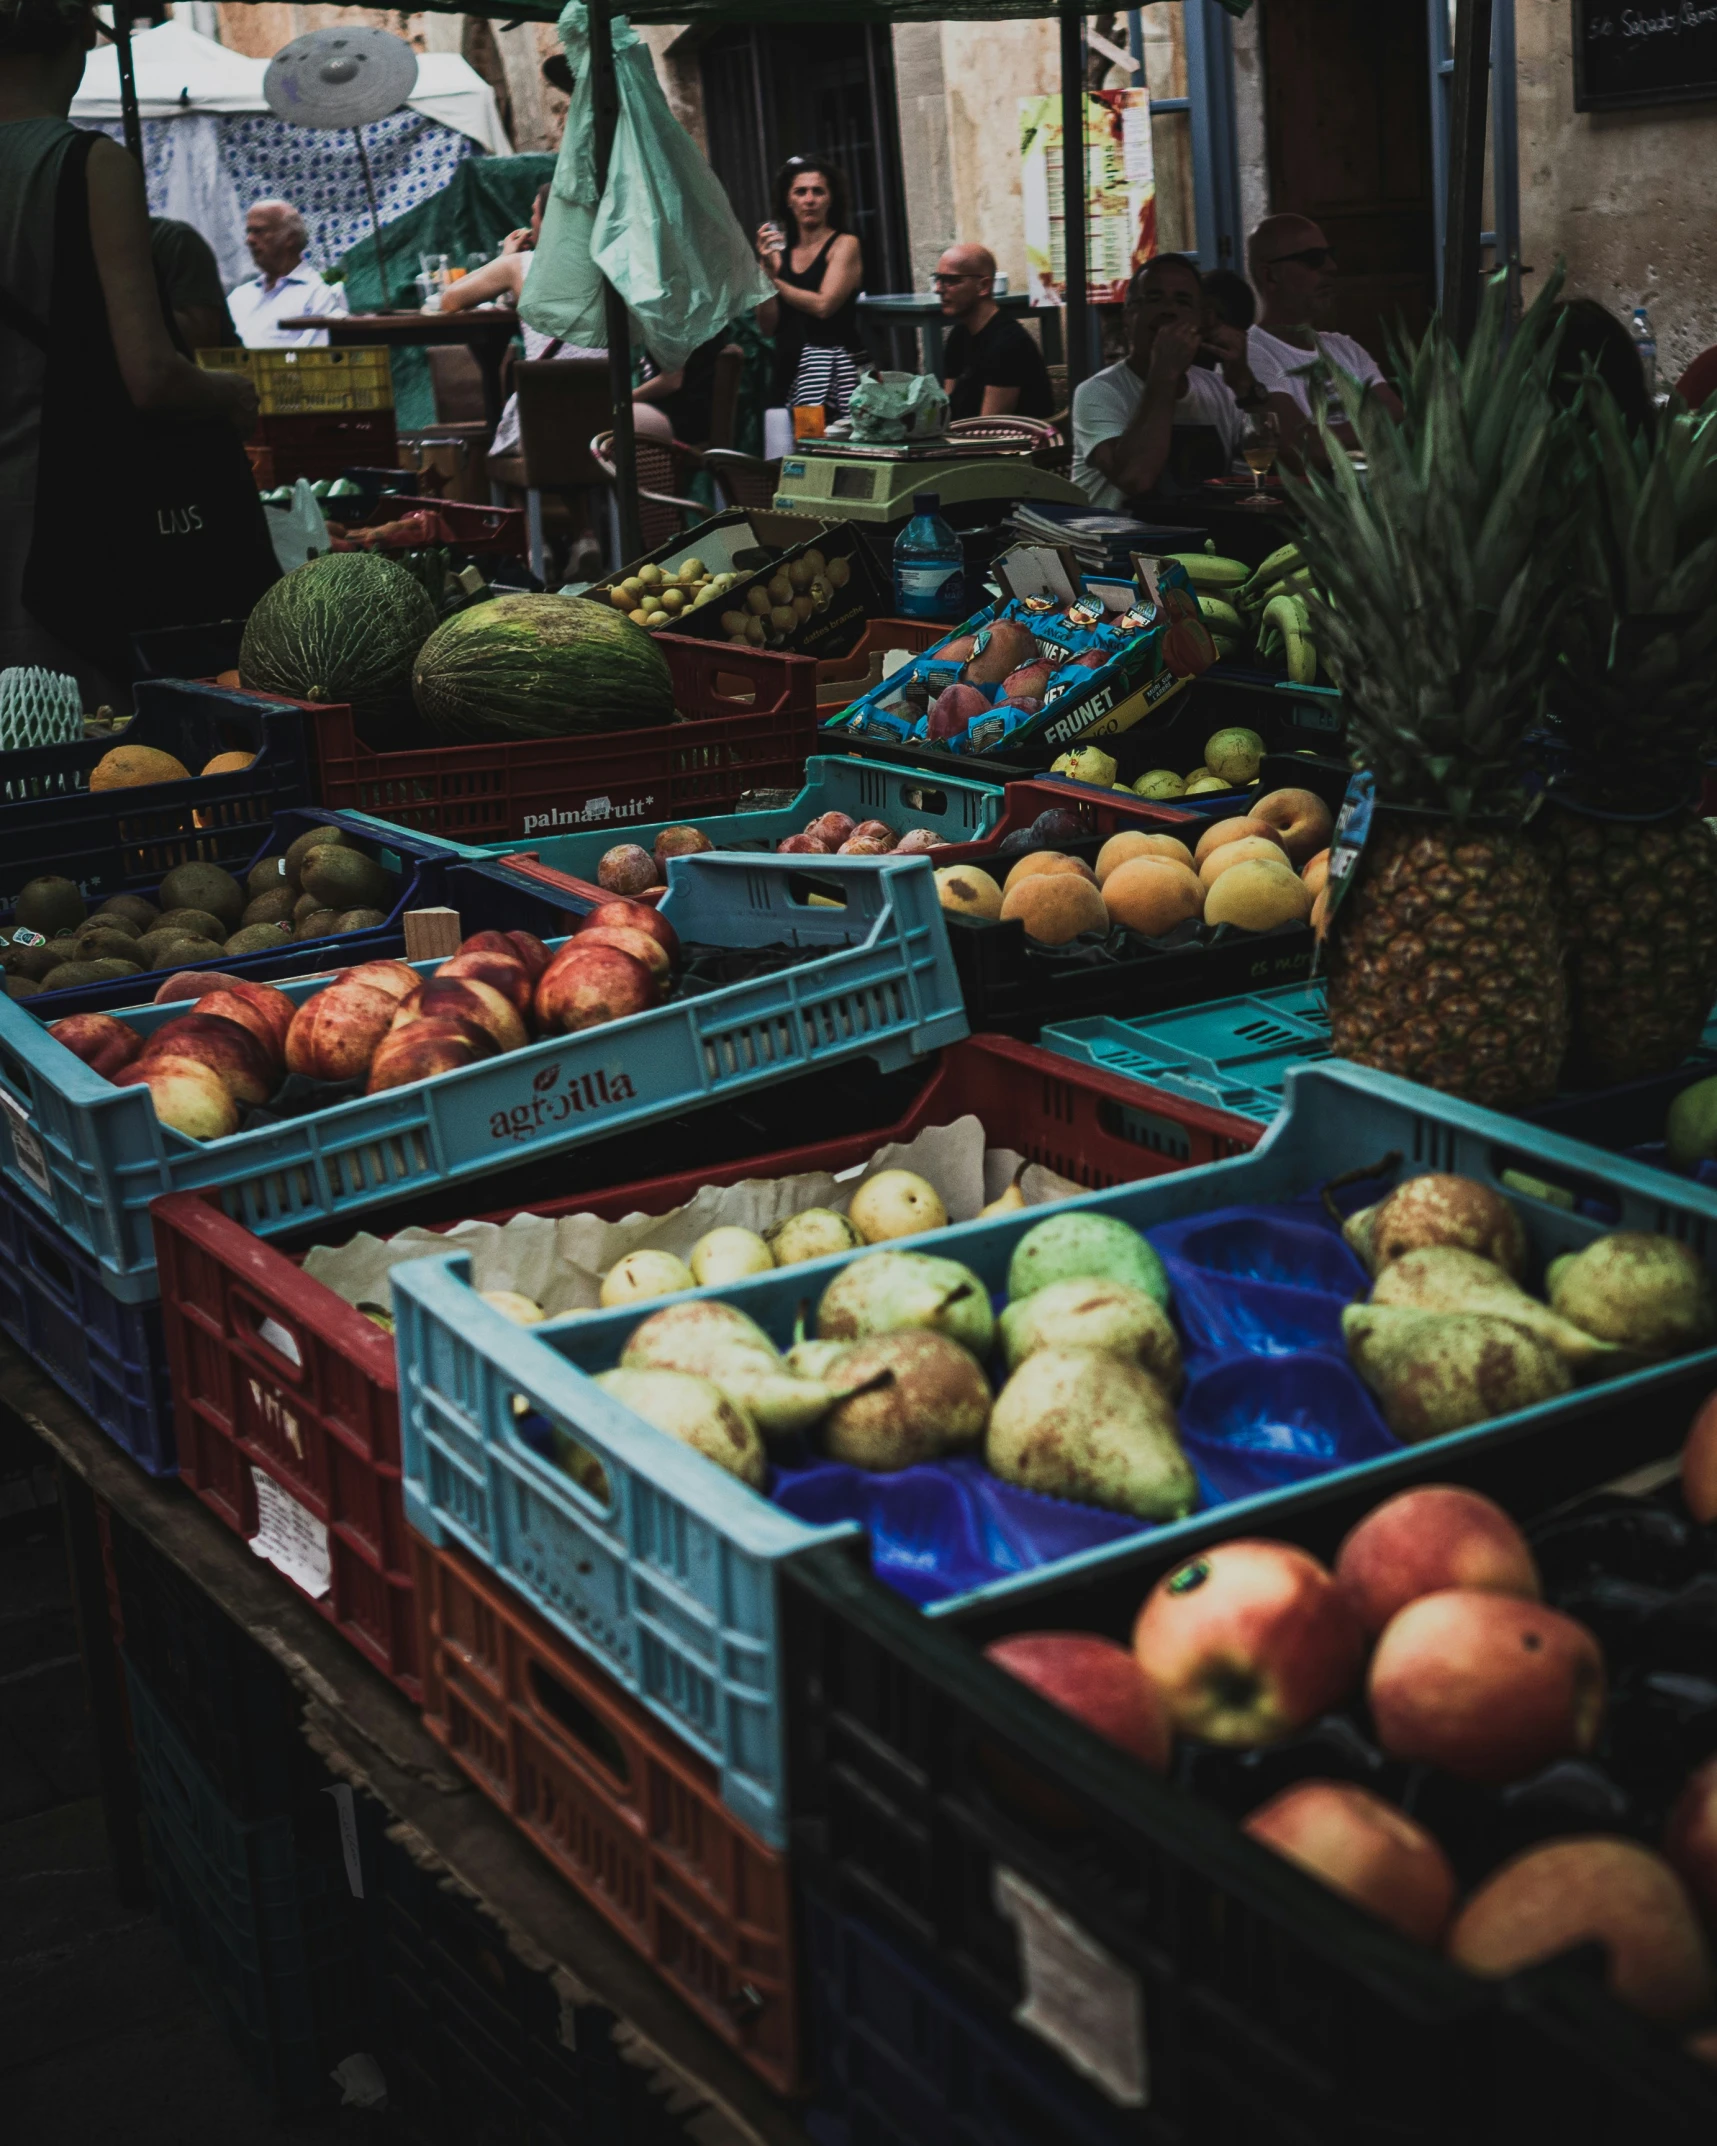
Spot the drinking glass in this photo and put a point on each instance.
(1260, 444)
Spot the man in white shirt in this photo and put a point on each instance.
(1125, 418)
(286, 286)
(1292, 266)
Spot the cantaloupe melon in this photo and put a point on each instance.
(130, 767)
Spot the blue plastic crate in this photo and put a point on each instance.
(1234, 1055)
(112, 841)
(428, 869)
(669, 1581)
(264, 1916)
(877, 981)
(956, 807)
(110, 1356)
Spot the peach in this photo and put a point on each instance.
(1315, 871)
(1097, 1682)
(1488, 1686)
(639, 944)
(1248, 1642)
(1698, 1462)
(1591, 1889)
(464, 998)
(504, 973)
(968, 892)
(271, 1010)
(627, 868)
(187, 1095)
(641, 916)
(834, 828)
(678, 842)
(1257, 897)
(584, 986)
(1421, 1542)
(1123, 848)
(334, 1035)
(1221, 831)
(1361, 1846)
(397, 978)
(105, 1045)
(237, 1058)
(1690, 1838)
(1151, 895)
(1047, 863)
(1302, 819)
(421, 1049)
(1320, 911)
(1250, 849)
(529, 948)
(1055, 907)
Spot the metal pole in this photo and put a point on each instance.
(128, 113)
(375, 215)
(1073, 187)
(1469, 102)
(605, 100)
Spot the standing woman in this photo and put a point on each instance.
(817, 276)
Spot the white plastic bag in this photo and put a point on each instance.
(898, 406)
(299, 530)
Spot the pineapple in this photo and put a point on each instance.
(1635, 689)
(1438, 579)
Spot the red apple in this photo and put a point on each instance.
(421, 1049)
(678, 842)
(873, 831)
(1488, 1686)
(1699, 1464)
(917, 841)
(585, 986)
(639, 944)
(1592, 1888)
(463, 998)
(639, 916)
(832, 828)
(1248, 1642)
(105, 1045)
(627, 869)
(187, 1095)
(244, 1064)
(334, 1035)
(1425, 1540)
(1097, 1682)
(1690, 1838)
(1363, 1847)
(803, 846)
(270, 1011)
(863, 846)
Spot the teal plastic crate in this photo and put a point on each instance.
(877, 981)
(955, 807)
(669, 1580)
(1234, 1055)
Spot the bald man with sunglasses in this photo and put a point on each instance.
(1292, 267)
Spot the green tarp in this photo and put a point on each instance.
(807, 12)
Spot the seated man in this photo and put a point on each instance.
(991, 367)
(1292, 266)
(285, 287)
(1159, 419)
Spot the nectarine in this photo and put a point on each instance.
(1363, 1847)
(464, 998)
(641, 916)
(585, 986)
(105, 1045)
(422, 1049)
(1301, 817)
(639, 944)
(267, 1013)
(334, 1035)
(504, 973)
(243, 1064)
(187, 1095)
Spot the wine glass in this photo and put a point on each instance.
(1260, 444)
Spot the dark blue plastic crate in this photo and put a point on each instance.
(110, 1356)
(262, 1910)
(114, 841)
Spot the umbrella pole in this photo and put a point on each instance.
(1073, 185)
(375, 214)
(1469, 101)
(128, 113)
(605, 100)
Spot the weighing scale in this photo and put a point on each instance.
(844, 480)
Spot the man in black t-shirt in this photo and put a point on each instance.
(991, 367)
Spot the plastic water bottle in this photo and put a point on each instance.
(929, 566)
(1646, 344)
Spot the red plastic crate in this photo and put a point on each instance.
(1100, 813)
(628, 1817)
(323, 444)
(843, 679)
(469, 528)
(271, 1370)
(748, 720)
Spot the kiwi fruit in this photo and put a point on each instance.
(49, 905)
(306, 906)
(97, 943)
(258, 938)
(275, 907)
(298, 851)
(21, 987)
(347, 879)
(359, 920)
(109, 967)
(267, 877)
(33, 961)
(116, 920)
(175, 949)
(143, 914)
(205, 887)
(196, 924)
(319, 924)
(70, 974)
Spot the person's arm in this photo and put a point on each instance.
(493, 280)
(1229, 346)
(156, 378)
(1000, 401)
(767, 316)
(660, 386)
(1134, 459)
(203, 327)
(842, 275)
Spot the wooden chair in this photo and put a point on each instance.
(724, 394)
(742, 480)
(562, 401)
(662, 514)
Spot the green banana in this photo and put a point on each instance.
(1287, 615)
(1205, 571)
(1217, 613)
(1279, 562)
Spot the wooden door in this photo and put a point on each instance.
(1348, 137)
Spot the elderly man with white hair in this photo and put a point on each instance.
(286, 285)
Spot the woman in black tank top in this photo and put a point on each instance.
(814, 315)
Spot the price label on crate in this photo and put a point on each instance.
(1086, 2004)
(290, 1537)
(27, 1150)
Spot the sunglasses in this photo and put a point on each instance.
(965, 276)
(1313, 257)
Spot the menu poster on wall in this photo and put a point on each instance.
(1120, 193)
(1658, 52)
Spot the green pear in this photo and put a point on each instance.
(1690, 1132)
(885, 1291)
(1080, 1424)
(1438, 1207)
(1077, 1246)
(1643, 1292)
(1089, 1313)
(696, 1412)
(714, 1341)
(815, 1233)
(1443, 1277)
(727, 1255)
(918, 1395)
(1439, 1371)
(815, 1359)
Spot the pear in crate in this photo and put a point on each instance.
(1093, 1313)
(729, 1254)
(1439, 1208)
(1075, 1423)
(645, 1273)
(1445, 1277)
(1435, 1372)
(813, 1233)
(715, 1341)
(886, 1291)
(1645, 1293)
(915, 1397)
(1080, 1246)
(698, 1413)
(896, 1203)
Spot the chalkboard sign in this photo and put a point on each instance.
(1629, 52)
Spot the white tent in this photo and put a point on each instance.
(189, 88)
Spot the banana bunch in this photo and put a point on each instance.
(1262, 612)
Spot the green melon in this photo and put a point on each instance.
(539, 667)
(343, 628)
